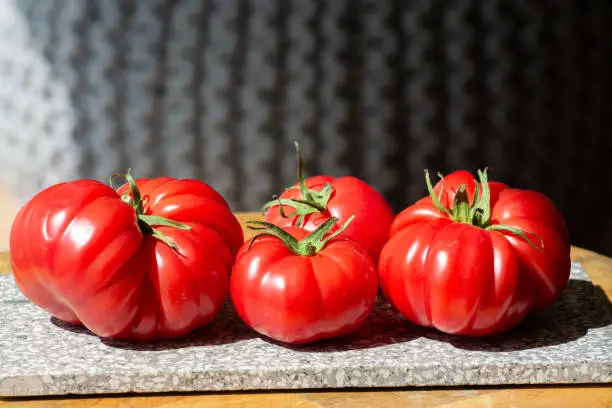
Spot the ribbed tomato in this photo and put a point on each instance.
(297, 288)
(149, 261)
(312, 201)
(474, 258)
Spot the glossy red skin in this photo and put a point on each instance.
(351, 196)
(464, 280)
(77, 252)
(300, 299)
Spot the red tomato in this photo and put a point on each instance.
(475, 267)
(299, 292)
(311, 202)
(124, 268)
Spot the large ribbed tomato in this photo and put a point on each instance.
(146, 262)
(474, 258)
(312, 201)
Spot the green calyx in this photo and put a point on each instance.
(311, 201)
(309, 246)
(147, 223)
(479, 212)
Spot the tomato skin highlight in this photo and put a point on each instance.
(466, 280)
(300, 299)
(78, 252)
(350, 196)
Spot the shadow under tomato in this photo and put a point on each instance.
(385, 326)
(226, 328)
(581, 307)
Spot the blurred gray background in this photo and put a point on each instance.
(381, 89)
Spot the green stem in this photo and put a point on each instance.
(461, 206)
(300, 170)
(432, 194)
(136, 198)
(282, 210)
(310, 202)
(479, 213)
(126, 198)
(163, 238)
(146, 222)
(521, 233)
(317, 240)
(339, 231)
(481, 208)
(157, 220)
(473, 210)
(269, 229)
(309, 246)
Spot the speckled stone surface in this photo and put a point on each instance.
(571, 342)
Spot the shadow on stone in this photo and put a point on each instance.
(384, 327)
(226, 328)
(74, 328)
(581, 307)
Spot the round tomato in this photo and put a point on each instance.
(149, 261)
(474, 258)
(301, 291)
(314, 200)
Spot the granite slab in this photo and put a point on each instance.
(571, 342)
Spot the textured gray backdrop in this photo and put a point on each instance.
(218, 89)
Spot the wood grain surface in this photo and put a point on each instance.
(597, 266)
